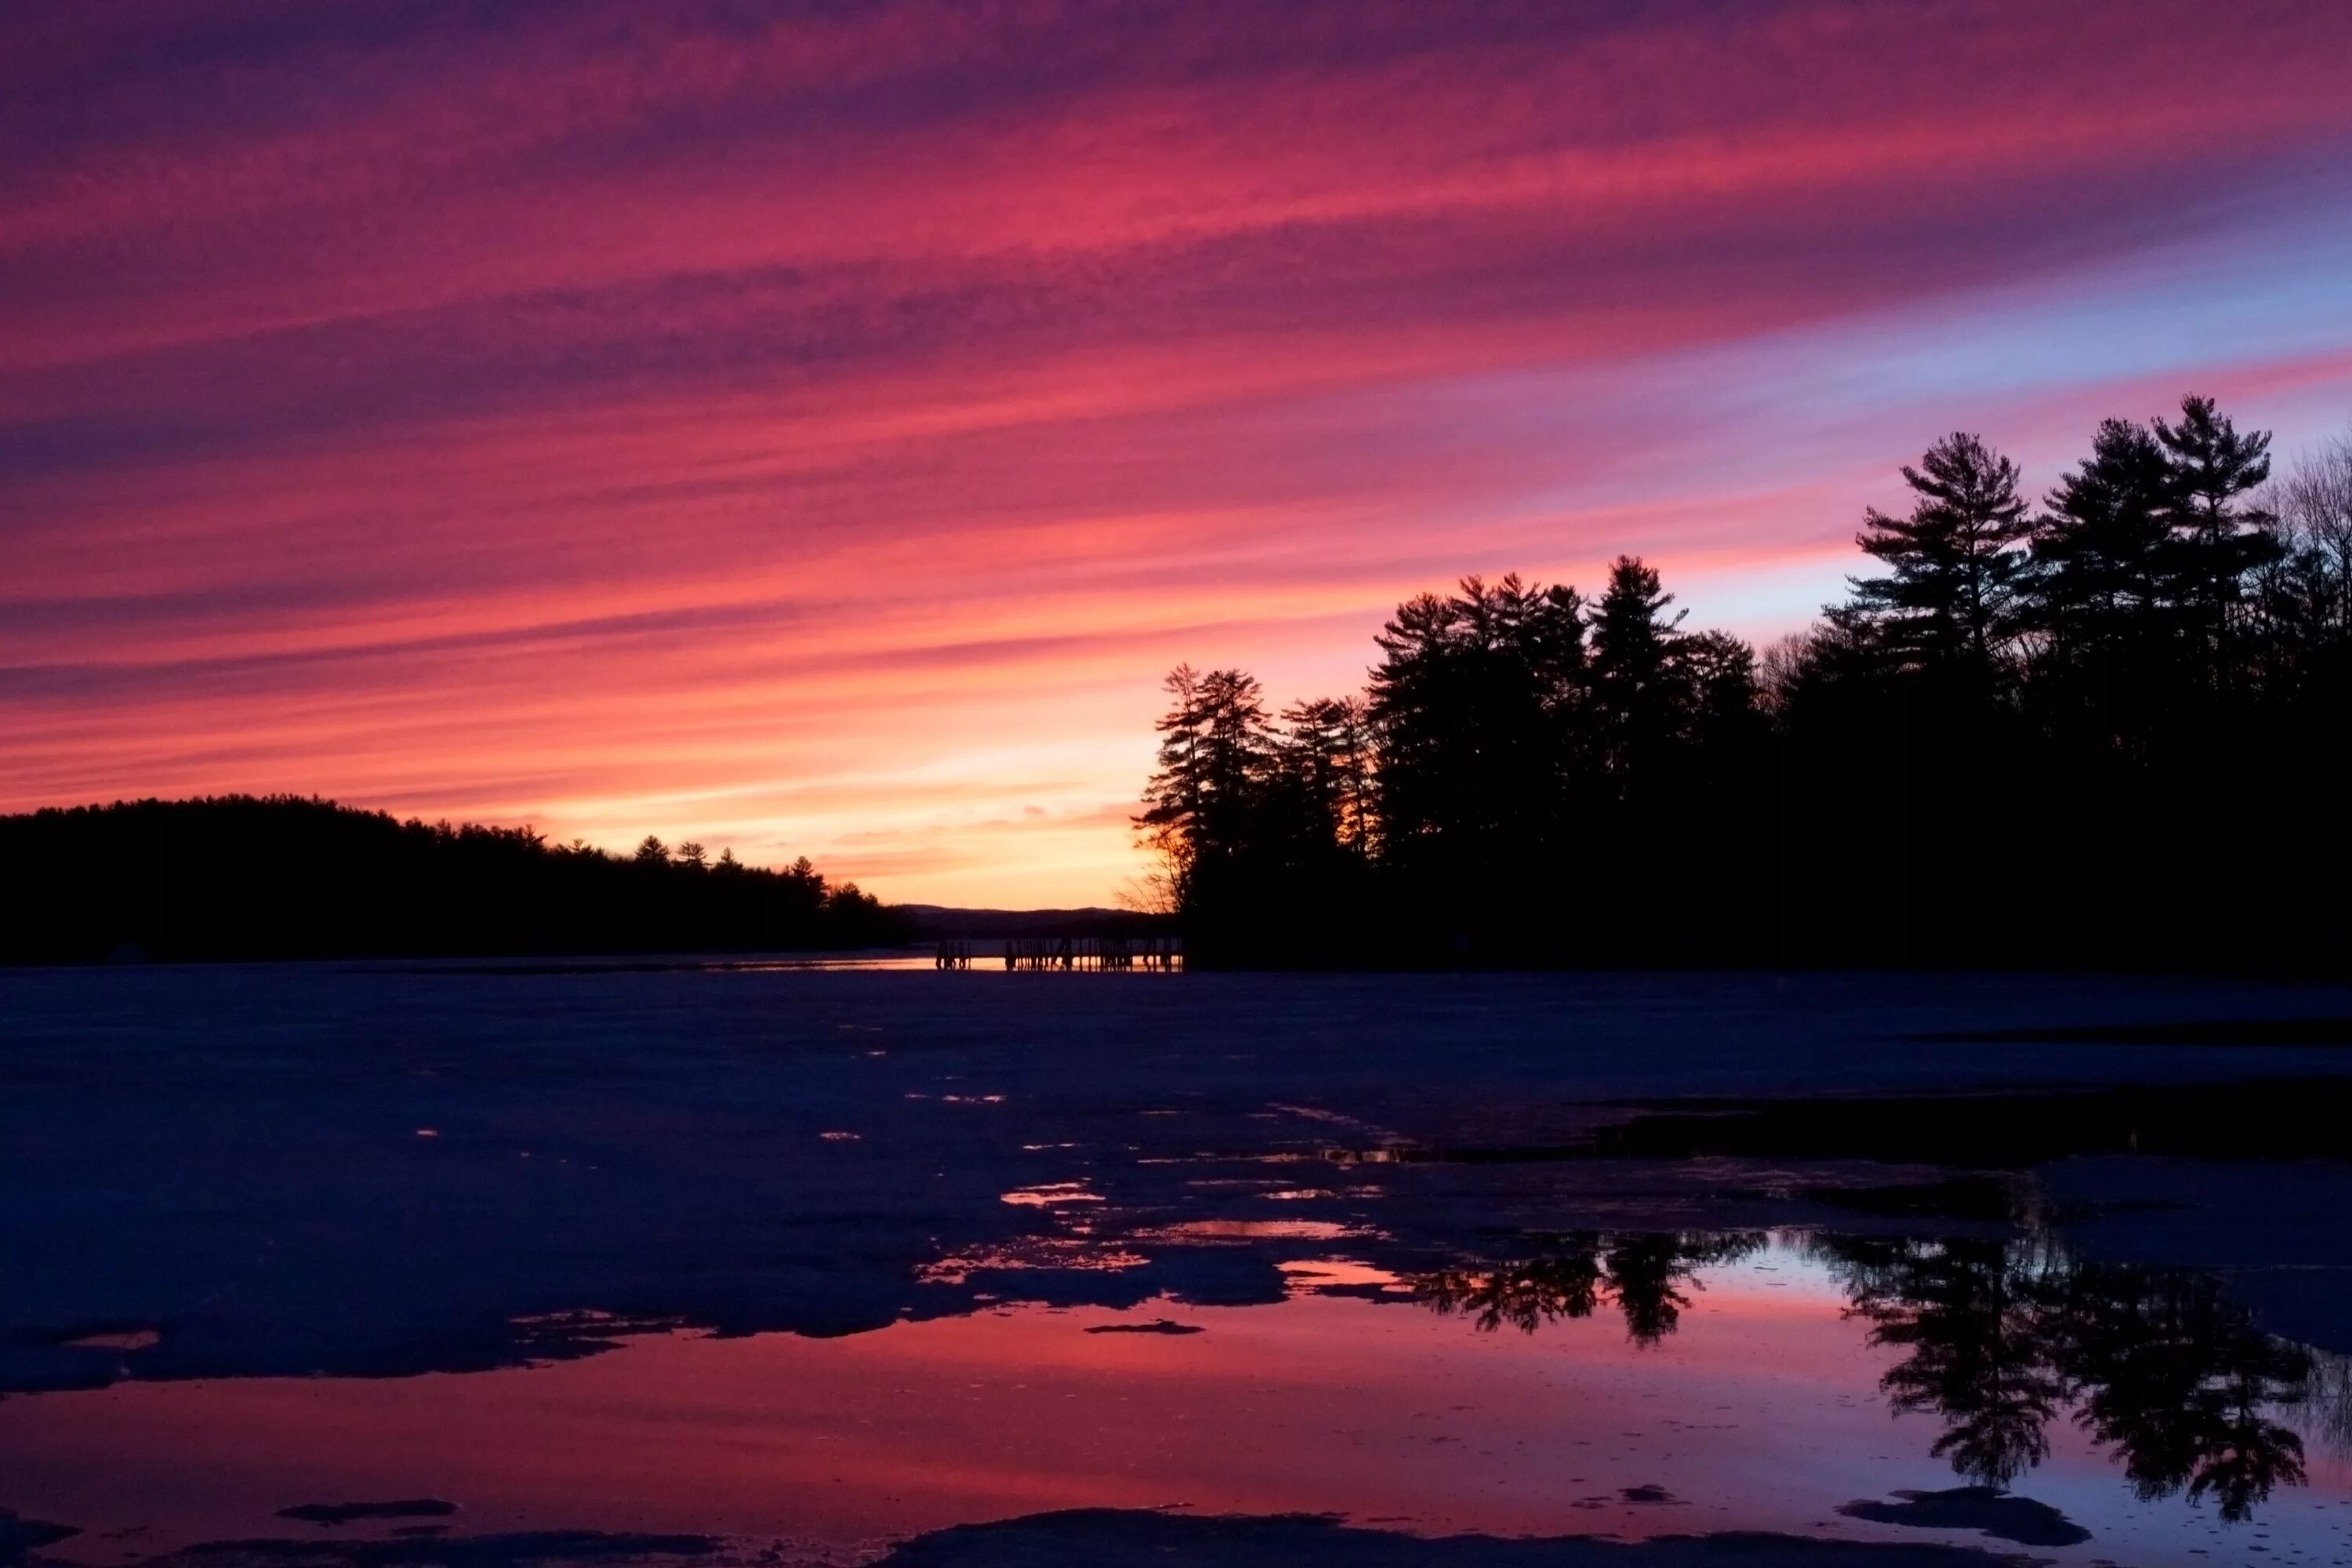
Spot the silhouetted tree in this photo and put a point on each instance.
(2315, 508)
(1475, 702)
(2054, 742)
(2217, 536)
(1325, 750)
(2298, 636)
(1207, 810)
(1214, 747)
(1948, 603)
(1640, 696)
(1718, 685)
(2099, 551)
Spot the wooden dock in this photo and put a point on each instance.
(1072, 954)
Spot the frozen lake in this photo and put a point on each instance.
(776, 1263)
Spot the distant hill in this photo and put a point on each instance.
(241, 877)
(932, 920)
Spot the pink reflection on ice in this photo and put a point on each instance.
(1763, 1412)
(1051, 1194)
(1255, 1230)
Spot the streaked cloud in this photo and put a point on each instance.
(814, 428)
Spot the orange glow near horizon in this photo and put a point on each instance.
(817, 433)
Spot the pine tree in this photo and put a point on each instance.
(1474, 700)
(1324, 754)
(1637, 690)
(1717, 680)
(1948, 603)
(1214, 746)
(2099, 552)
(2217, 539)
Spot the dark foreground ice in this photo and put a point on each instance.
(797, 1265)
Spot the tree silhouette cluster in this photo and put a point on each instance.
(245, 878)
(1996, 1340)
(2107, 728)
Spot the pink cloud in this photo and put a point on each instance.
(625, 418)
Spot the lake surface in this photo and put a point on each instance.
(488, 1266)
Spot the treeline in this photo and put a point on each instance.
(2107, 730)
(245, 878)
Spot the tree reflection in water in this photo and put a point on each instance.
(1971, 1319)
(1998, 1338)
(1641, 1273)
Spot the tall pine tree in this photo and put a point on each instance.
(1638, 694)
(2217, 538)
(1947, 604)
(1214, 750)
(2099, 551)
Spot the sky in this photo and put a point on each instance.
(815, 429)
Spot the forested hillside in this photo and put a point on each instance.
(241, 877)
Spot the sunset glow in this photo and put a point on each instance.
(815, 430)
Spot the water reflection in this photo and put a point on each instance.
(2000, 1340)
(1644, 1276)
(1971, 1320)
(1639, 1384)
